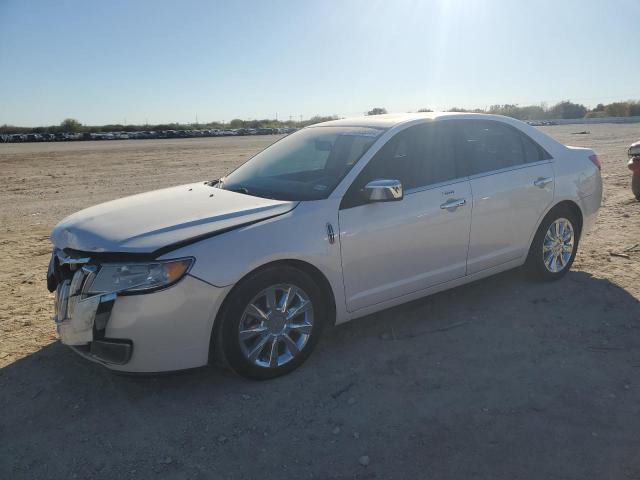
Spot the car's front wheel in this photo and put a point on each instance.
(271, 323)
(555, 245)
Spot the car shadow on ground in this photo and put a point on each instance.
(503, 378)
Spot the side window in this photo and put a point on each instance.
(532, 151)
(488, 146)
(418, 156)
(390, 162)
(395, 160)
(437, 161)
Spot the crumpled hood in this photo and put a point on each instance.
(149, 221)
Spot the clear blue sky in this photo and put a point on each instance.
(162, 61)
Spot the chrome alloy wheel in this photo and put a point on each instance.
(276, 325)
(558, 245)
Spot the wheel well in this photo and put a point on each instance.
(571, 206)
(312, 271)
(568, 204)
(317, 277)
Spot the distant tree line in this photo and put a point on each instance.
(565, 109)
(71, 125)
(377, 111)
(266, 123)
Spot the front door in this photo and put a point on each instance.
(391, 249)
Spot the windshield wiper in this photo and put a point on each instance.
(240, 189)
(219, 183)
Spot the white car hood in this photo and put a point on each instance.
(150, 221)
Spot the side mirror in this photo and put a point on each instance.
(383, 190)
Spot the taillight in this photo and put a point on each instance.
(596, 161)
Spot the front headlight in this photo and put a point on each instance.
(139, 277)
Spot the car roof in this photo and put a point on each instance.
(393, 119)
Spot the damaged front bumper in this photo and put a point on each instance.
(81, 319)
(159, 331)
(85, 332)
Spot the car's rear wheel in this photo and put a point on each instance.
(271, 323)
(555, 245)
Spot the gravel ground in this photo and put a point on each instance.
(503, 378)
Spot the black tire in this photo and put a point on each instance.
(228, 339)
(635, 185)
(535, 264)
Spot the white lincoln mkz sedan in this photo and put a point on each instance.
(333, 222)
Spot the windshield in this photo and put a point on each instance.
(306, 165)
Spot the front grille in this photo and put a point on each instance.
(71, 290)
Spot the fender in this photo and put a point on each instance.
(300, 234)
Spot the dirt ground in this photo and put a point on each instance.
(503, 378)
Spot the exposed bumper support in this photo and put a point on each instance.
(102, 315)
(89, 323)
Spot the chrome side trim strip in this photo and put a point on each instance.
(509, 169)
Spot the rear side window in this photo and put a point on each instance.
(487, 146)
(532, 151)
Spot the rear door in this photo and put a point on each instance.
(512, 184)
(395, 248)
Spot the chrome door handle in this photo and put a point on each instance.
(453, 203)
(543, 182)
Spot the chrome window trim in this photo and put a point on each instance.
(509, 169)
(457, 180)
(434, 186)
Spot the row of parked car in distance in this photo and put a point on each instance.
(139, 135)
(541, 123)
